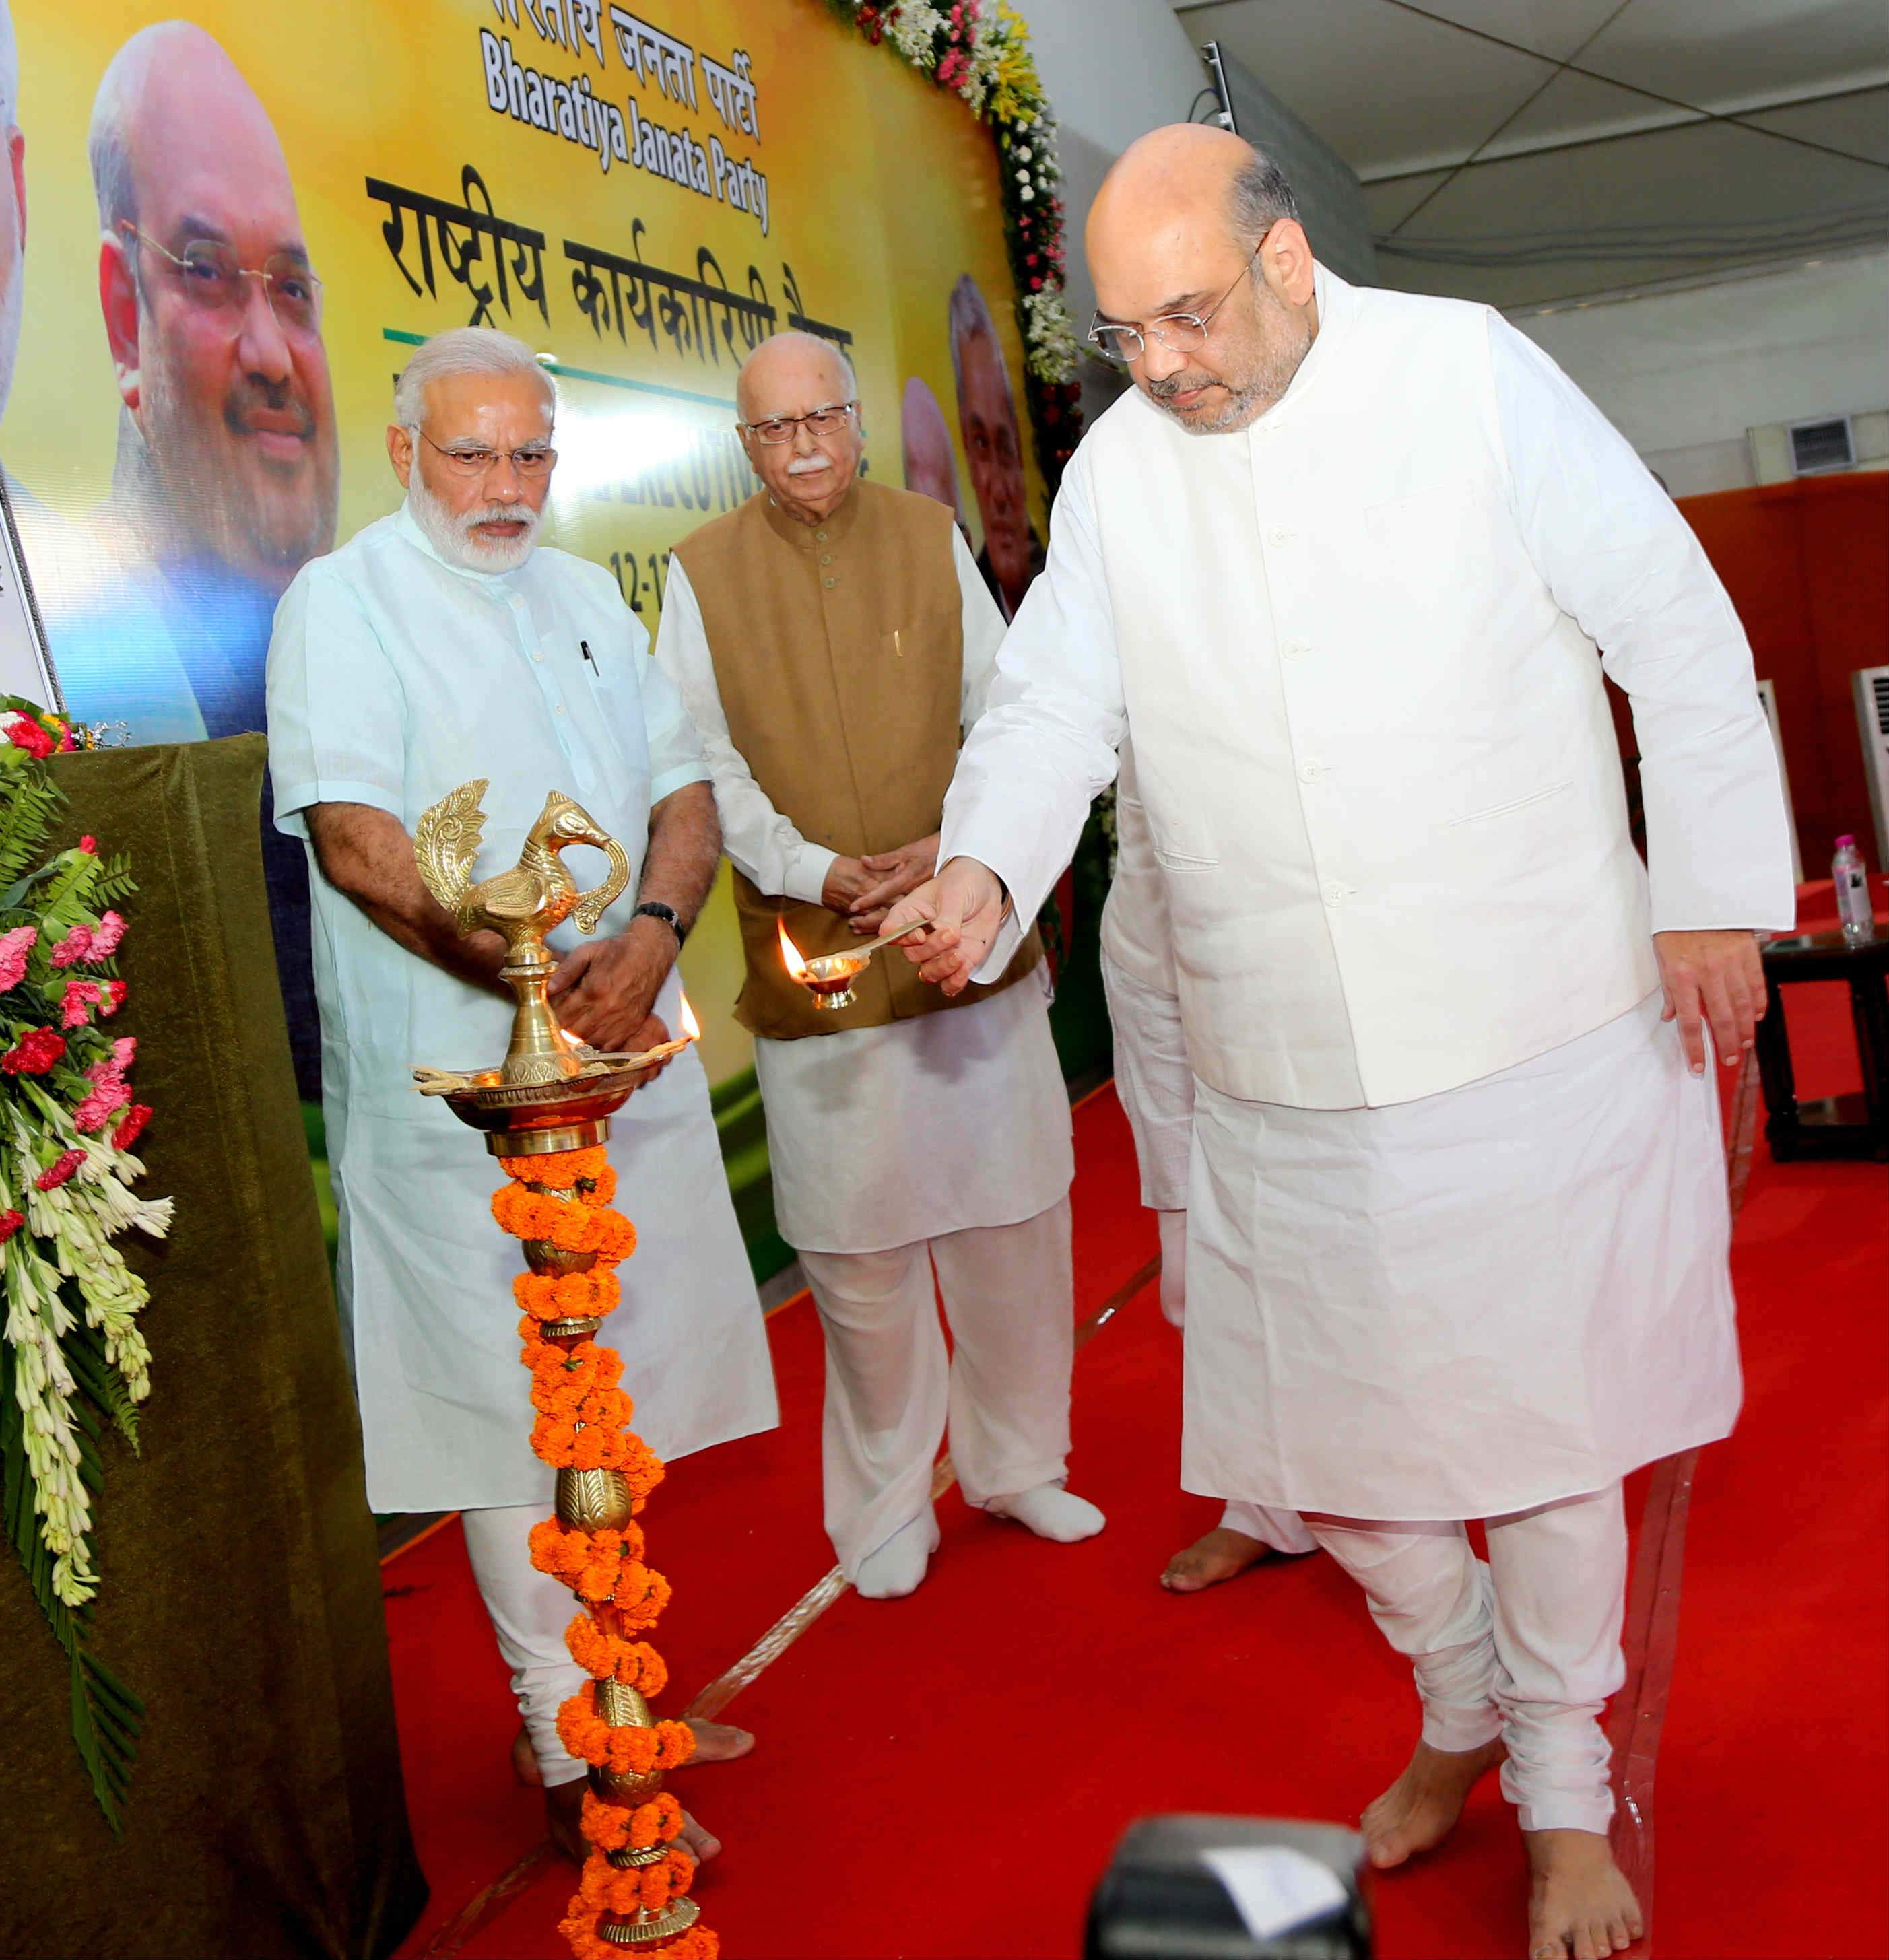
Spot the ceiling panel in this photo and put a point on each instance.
(1389, 204)
(1398, 95)
(1715, 52)
(1858, 123)
(1552, 28)
(1388, 91)
(1562, 228)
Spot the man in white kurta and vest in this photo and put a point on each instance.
(832, 639)
(1340, 563)
(1155, 1084)
(438, 644)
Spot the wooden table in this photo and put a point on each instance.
(1831, 1126)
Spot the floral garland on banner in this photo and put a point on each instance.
(72, 1359)
(980, 49)
(561, 1200)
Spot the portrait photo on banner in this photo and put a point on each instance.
(236, 236)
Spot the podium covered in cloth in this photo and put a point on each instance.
(242, 1593)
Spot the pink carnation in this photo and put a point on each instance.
(111, 998)
(81, 996)
(14, 946)
(96, 1111)
(124, 1053)
(106, 935)
(77, 945)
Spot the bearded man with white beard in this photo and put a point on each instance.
(439, 644)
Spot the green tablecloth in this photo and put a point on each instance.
(242, 1593)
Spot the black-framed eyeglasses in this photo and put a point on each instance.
(471, 458)
(212, 276)
(1179, 332)
(822, 421)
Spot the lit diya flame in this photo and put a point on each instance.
(829, 978)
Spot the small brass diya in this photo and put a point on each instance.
(829, 978)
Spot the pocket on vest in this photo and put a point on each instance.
(1495, 809)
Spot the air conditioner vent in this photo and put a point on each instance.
(1821, 445)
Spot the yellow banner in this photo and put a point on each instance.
(642, 195)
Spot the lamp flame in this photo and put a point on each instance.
(790, 953)
(691, 1027)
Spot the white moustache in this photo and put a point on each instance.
(805, 465)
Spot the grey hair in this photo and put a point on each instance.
(463, 350)
(1259, 198)
(970, 320)
(9, 69)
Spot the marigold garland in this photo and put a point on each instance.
(583, 1416)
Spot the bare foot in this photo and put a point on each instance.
(1420, 1809)
(563, 1807)
(701, 1844)
(1578, 1902)
(1221, 1555)
(524, 1760)
(717, 1742)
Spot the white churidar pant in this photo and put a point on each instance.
(529, 1611)
(1527, 1647)
(890, 1390)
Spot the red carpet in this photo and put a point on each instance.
(945, 1776)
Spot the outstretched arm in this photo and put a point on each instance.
(367, 855)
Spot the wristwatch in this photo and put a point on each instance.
(655, 908)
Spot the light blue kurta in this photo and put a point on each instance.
(394, 677)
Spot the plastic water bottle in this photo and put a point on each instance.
(1853, 906)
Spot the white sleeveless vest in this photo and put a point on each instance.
(1376, 755)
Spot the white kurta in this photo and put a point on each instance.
(394, 677)
(1469, 1301)
(885, 1137)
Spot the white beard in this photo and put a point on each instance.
(452, 535)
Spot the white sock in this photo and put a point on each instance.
(897, 1566)
(1051, 1511)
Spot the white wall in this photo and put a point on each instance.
(1114, 69)
(1686, 375)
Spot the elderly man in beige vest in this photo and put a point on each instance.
(832, 640)
(1341, 564)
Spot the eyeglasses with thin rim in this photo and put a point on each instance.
(1179, 332)
(212, 277)
(822, 421)
(468, 458)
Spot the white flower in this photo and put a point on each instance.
(914, 33)
(1050, 346)
(1022, 153)
(1026, 195)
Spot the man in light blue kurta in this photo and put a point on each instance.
(395, 675)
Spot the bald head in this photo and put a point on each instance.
(228, 446)
(808, 471)
(173, 106)
(1176, 229)
(790, 363)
